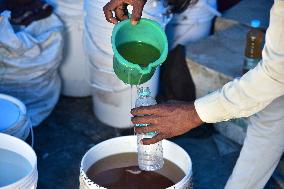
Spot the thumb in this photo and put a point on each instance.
(138, 6)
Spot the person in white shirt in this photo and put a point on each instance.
(259, 94)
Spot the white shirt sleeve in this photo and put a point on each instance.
(256, 89)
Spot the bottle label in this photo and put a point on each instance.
(250, 63)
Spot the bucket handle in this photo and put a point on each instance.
(112, 90)
(32, 135)
(32, 140)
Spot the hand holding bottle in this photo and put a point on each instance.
(168, 120)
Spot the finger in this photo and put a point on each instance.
(108, 8)
(146, 129)
(146, 110)
(144, 119)
(153, 140)
(121, 13)
(137, 11)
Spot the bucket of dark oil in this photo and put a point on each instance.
(113, 164)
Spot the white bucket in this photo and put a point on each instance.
(10, 177)
(193, 24)
(13, 117)
(72, 69)
(128, 144)
(112, 105)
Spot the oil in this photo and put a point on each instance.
(254, 45)
(139, 53)
(121, 171)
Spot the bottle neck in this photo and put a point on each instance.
(144, 92)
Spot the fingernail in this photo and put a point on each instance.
(134, 22)
(112, 20)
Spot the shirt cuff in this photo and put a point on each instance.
(210, 108)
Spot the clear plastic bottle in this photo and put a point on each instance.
(150, 157)
(254, 45)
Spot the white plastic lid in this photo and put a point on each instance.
(10, 113)
(255, 23)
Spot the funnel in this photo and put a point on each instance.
(146, 31)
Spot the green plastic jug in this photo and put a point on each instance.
(146, 31)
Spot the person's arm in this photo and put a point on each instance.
(256, 89)
(239, 98)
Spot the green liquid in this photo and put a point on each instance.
(139, 53)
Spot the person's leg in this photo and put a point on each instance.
(23, 2)
(262, 150)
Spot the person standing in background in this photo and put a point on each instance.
(119, 8)
(24, 12)
(258, 93)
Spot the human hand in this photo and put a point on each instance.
(168, 120)
(119, 7)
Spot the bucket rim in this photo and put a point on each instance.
(33, 172)
(152, 65)
(22, 112)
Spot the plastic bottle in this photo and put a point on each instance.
(150, 157)
(254, 45)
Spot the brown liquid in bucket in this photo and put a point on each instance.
(121, 172)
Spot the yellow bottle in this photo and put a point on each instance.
(254, 45)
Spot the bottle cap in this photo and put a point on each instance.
(255, 23)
